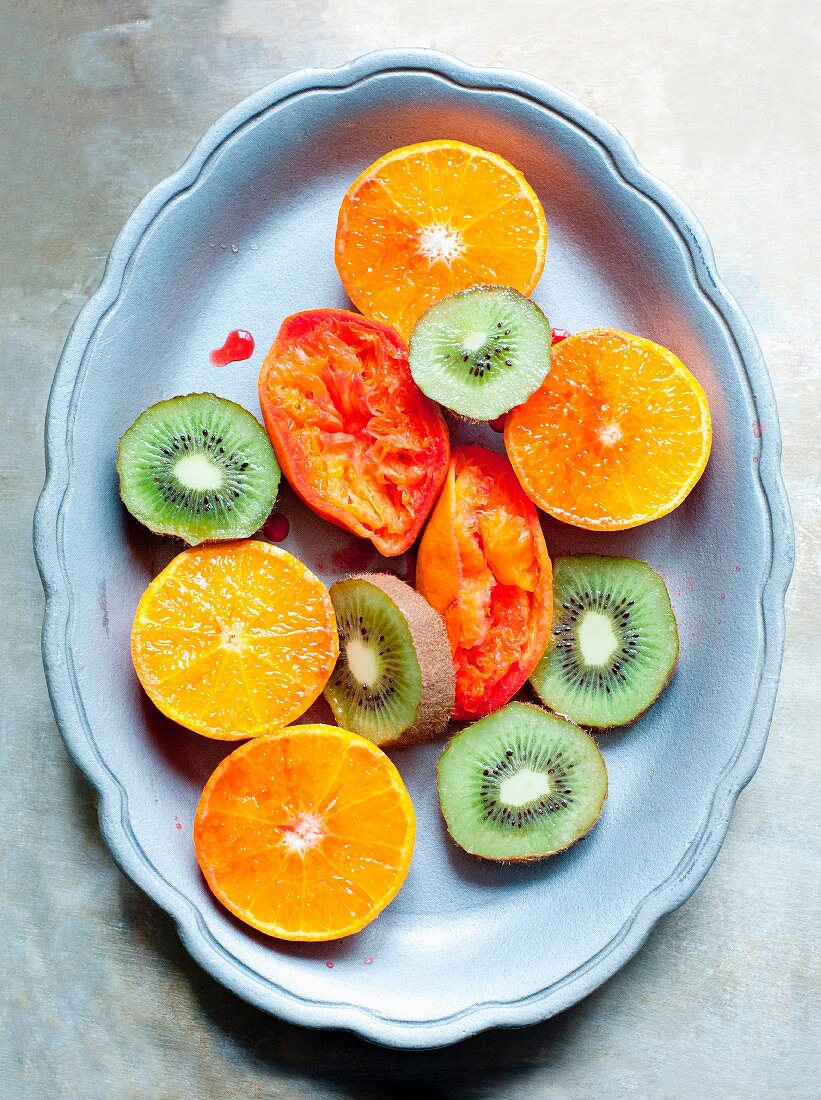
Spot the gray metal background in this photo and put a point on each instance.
(102, 999)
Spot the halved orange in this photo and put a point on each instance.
(617, 435)
(234, 639)
(306, 833)
(427, 220)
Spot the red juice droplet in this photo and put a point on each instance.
(329, 964)
(367, 960)
(276, 527)
(498, 424)
(757, 430)
(559, 334)
(238, 345)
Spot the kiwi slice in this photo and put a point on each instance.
(521, 784)
(614, 644)
(481, 351)
(198, 467)
(394, 680)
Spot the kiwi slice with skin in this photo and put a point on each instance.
(394, 681)
(614, 643)
(199, 467)
(481, 351)
(521, 784)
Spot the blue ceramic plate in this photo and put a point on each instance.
(243, 235)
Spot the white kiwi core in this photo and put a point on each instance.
(195, 471)
(362, 662)
(523, 787)
(474, 341)
(597, 641)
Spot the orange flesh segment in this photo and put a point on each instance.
(357, 439)
(483, 565)
(234, 639)
(427, 220)
(617, 435)
(306, 833)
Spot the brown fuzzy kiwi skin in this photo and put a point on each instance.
(430, 639)
(545, 855)
(635, 718)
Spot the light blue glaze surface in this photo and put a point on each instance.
(243, 235)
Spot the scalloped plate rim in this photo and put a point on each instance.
(64, 690)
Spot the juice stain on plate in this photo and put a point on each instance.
(357, 554)
(239, 345)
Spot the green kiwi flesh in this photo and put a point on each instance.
(394, 681)
(614, 642)
(521, 784)
(481, 351)
(198, 467)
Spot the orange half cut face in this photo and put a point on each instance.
(305, 834)
(617, 435)
(429, 219)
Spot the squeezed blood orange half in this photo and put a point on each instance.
(484, 566)
(427, 220)
(306, 833)
(356, 438)
(617, 435)
(234, 639)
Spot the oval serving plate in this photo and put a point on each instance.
(242, 236)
